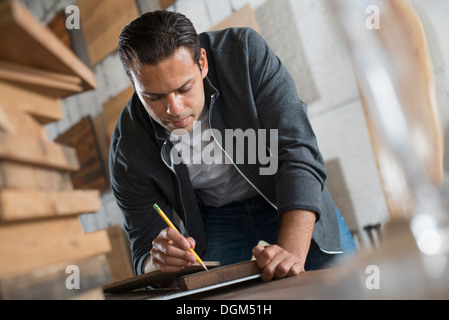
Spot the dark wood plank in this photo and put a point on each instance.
(58, 27)
(81, 136)
(218, 275)
(152, 278)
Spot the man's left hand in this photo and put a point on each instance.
(277, 263)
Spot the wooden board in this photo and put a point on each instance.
(51, 83)
(244, 17)
(58, 27)
(218, 275)
(81, 136)
(22, 176)
(102, 22)
(25, 204)
(44, 108)
(34, 45)
(153, 278)
(49, 283)
(103, 143)
(119, 258)
(166, 3)
(31, 244)
(38, 152)
(20, 122)
(113, 108)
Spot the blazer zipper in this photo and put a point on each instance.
(213, 97)
(179, 188)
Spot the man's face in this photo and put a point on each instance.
(172, 91)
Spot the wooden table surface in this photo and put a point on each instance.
(397, 270)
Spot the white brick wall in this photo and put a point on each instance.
(336, 115)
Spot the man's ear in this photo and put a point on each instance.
(203, 63)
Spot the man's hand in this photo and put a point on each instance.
(288, 257)
(277, 263)
(170, 252)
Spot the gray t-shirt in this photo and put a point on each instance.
(215, 179)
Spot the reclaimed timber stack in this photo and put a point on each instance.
(44, 251)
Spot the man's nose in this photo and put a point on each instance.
(174, 106)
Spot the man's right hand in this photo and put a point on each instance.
(170, 252)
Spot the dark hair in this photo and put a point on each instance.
(156, 36)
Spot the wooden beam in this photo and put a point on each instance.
(51, 83)
(31, 244)
(218, 275)
(22, 176)
(102, 22)
(20, 123)
(120, 260)
(152, 278)
(58, 27)
(44, 108)
(25, 204)
(49, 283)
(32, 44)
(35, 151)
(82, 138)
(114, 107)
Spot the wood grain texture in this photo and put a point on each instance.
(26, 204)
(82, 137)
(218, 275)
(49, 283)
(34, 45)
(31, 244)
(15, 175)
(152, 278)
(51, 83)
(119, 258)
(20, 123)
(58, 27)
(113, 108)
(44, 108)
(31, 150)
(102, 22)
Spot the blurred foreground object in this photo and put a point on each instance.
(396, 83)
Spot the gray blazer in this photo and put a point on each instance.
(247, 87)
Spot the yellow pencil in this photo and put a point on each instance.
(171, 225)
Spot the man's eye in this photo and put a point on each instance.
(152, 98)
(184, 90)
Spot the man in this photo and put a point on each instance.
(173, 145)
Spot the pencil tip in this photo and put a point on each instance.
(204, 266)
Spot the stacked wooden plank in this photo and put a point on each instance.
(44, 251)
(102, 22)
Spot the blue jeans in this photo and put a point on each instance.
(234, 230)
